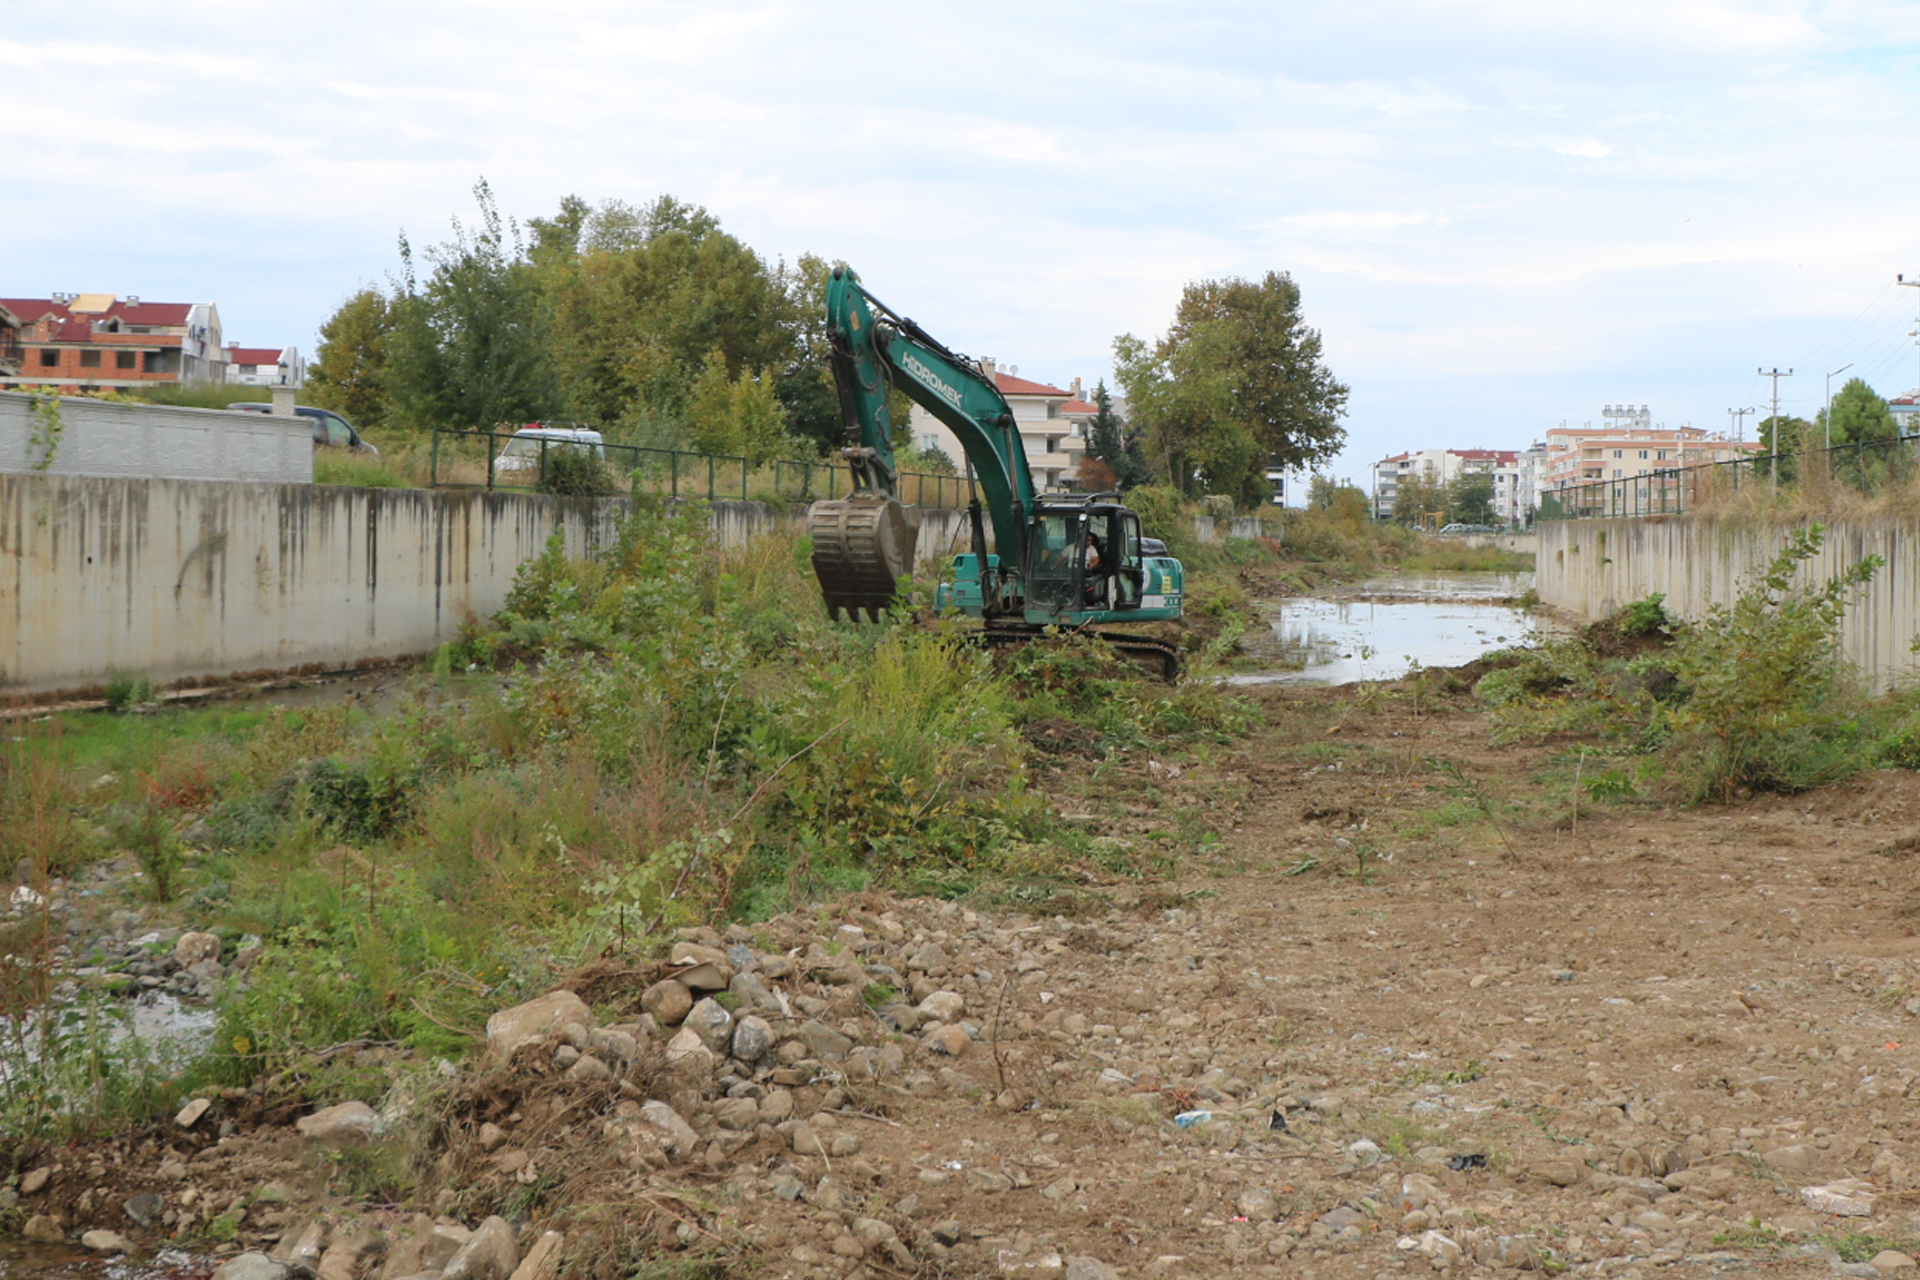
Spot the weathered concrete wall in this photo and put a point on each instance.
(173, 578)
(1594, 567)
(142, 441)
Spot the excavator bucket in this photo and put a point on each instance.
(862, 546)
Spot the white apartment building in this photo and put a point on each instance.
(1513, 488)
(1052, 421)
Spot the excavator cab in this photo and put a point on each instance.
(1085, 564)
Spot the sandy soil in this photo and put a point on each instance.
(1437, 1023)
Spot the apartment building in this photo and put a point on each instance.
(1052, 423)
(1627, 445)
(87, 340)
(1513, 490)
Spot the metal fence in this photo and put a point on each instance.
(1865, 466)
(478, 460)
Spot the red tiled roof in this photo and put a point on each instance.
(1080, 406)
(254, 355)
(1012, 386)
(31, 309)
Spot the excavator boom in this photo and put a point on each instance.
(1065, 560)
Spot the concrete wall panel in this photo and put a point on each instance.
(1594, 567)
(147, 441)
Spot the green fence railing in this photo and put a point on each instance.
(1865, 466)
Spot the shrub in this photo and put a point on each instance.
(574, 473)
(1644, 617)
(355, 470)
(126, 690)
(1760, 680)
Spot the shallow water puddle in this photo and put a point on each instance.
(1379, 629)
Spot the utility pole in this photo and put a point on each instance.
(1739, 417)
(1773, 437)
(1905, 283)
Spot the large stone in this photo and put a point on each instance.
(681, 1138)
(343, 1258)
(543, 1260)
(1258, 1204)
(930, 958)
(145, 1207)
(752, 989)
(1796, 1158)
(252, 1266)
(944, 1005)
(508, 1029)
(349, 1124)
(42, 1229)
(1561, 1173)
(1888, 1261)
(102, 1241)
(712, 1023)
(195, 948)
(302, 1249)
(952, 1041)
(489, 1254)
(752, 1038)
(823, 1041)
(35, 1180)
(699, 967)
(688, 1054)
(1085, 1268)
(668, 1001)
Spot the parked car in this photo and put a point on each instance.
(330, 430)
(520, 457)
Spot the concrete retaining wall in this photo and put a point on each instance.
(1594, 567)
(172, 578)
(143, 441)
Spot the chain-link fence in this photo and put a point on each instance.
(1867, 466)
(554, 464)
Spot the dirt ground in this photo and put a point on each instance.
(1435, 1019)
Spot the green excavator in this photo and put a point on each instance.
(1074, 561)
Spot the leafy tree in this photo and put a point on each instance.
(1236, 384)
(737, 416)
(1786, 437)
(349, 372)
(1110, 444)
(652, 294)
(805, 384)
(467, 346)
(1865, 430)
(1418, 498)
(1470, 498)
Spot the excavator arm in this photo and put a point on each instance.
(864, 542)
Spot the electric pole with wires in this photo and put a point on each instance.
(1773, 435)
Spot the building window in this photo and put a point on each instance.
(89, 359)
(1616, 470)
(1616, 453)
(1643, 453)
(123, 359)
(151, 364)
(49, 358)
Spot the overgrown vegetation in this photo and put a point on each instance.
(1753, 697)
(666, 735)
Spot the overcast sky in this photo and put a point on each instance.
(1502, 214)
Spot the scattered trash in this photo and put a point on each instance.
(1241, 1217)
(1188, 1119)
(1469, 1160)
(1279, 1122)
(1847, 1198)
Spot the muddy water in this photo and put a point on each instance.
(1381, 628)
(20, 1261)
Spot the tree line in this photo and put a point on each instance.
(661, 328)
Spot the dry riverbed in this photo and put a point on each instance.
(1411, 1014)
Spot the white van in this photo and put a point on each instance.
(520, 458)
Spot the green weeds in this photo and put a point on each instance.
(1753, 697)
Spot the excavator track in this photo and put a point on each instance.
(1157, 658)
(862, 546)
